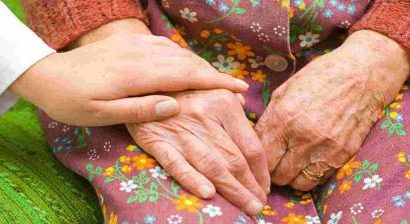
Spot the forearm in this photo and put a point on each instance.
(60, 23)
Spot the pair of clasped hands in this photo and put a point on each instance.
(189, 116)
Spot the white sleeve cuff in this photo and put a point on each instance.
(20, 48)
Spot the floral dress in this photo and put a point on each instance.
(263, 42)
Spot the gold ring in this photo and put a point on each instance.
(312, 175)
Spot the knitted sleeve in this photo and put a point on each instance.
(389, 17)
(59, 22)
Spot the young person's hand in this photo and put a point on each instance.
(108, 81)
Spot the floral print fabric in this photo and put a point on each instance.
(262, 42)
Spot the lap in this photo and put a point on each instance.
(134, 188)
(374, 186)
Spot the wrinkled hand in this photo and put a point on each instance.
(319, 118)
(98, 84)
(208, 146)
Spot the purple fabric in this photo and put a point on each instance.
(263, 42)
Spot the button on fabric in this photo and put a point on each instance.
(276, 63)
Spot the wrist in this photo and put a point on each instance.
(378, 51)
(124, 26)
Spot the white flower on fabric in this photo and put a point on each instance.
(335, 217)
(188, 15)
(226, 65)
(256, 62)
(371, 182)
(308, 39)
(356, 208)
(377, 213)
(158, 172)
(212, 211)
(312, 219)
(262, 221)
(174, 219)
(128, 186)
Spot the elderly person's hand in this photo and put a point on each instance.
(317, 120)
(210, 144)
(106, 82)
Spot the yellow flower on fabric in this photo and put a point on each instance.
(205, 34)
(292, 218)
(399, 97)
(142, 161)
(240, 72)
(291, 13)
(258, 76)
(180, 29)
(242, 51)
(378, 221)
(402, 157)
(395, 105)
(252, 115)
(393, 114)
(131, 148)
(126, 169)
(178, 39)
(187, 202)
(109, 171)
(347, 169)
(346, 185)
(407, 174)
(302, 6)
(125, 159)
(251, 123)
(217, 31)
(290, 205)
(306, 201)
(113, 219)
(329, 192)
(267, 210)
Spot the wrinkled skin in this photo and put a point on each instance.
(319, 117)
(207, 145)
(107, 82)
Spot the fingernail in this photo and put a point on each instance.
(254, 207)
(267, 190)
(242, 84)
(206, 191)
(166, 108)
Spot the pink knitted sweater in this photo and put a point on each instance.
(61, 22)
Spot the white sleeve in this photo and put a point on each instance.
(20, 48)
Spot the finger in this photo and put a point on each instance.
(176, 165)
(241, 99)
(305, 183)
(272, 140)
(211, 166)
(289, 167)
(136, 109)
(244, 136)
(237, 164)
(176, 79)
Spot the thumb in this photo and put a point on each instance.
(139, 109)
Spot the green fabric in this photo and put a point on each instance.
(34, 186)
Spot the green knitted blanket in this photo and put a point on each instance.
(34, 187)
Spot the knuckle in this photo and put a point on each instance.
(209, 165)
(137, 112)
(225, 96)
(254, 154)
(238, 164)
